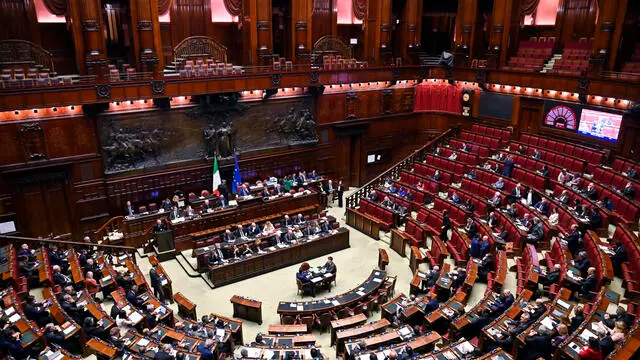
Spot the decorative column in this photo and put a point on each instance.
(88, 30)
(301, 15)
(147, 43)
(377, 31)
(410, 30)
(465, 27)
(601, 50)
(500, 19)
(256, 27)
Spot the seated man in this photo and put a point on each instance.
(591, 192)
(544, 171)
(59, 278)
(241, 232)
(243, 190)
(387, 202)
(471, 228)
(330, 266)
(595, 220)
(499, 184)
(486, 266)
(175, 213)
(228, 236)
(300, 220)
(551, 277)
(629, 191)
(453, 156)
(492, 221)
(496, 200)
(564, 197)
(254, 230)
(373, 196)
(286, 222)
(581, 263)
(588, 284)
(631, 172)
(455, 198)
(402, 192)
(133, 298)
(542, 207)
(436, 176)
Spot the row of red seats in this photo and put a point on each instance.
(458, 246)
(529, 178)
(557, 255)
(505, 135)
(488, 178)
(416, 234)
(514, 234)
(446, 177)
(609, 178)
(437, 252)
(531, 163)
(625, 209)
(621, 164)
(558, 189)
(525, 266)
(490, 141)
(630, 268)
(457, 215)
(578, 151)
(597, 258)
(558, 158)
(548, 234)
(430, 186)
(565, 218)
(481, 150)
(478, 188)
(384, 216)
(462, 156)
(431, 220)
(439, 162)
(394, 197)
(480, 206)
(419, 196)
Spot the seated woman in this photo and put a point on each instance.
(303, 273)
(268, 228)
(554, 218)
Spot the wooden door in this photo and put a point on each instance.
(42, 207)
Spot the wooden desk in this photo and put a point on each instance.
(358, 332)
(383, 259)
(186, 308)
(275, 329)
(234, 325)
(398, 242)
(101, 349)
(340, 324)
(278, 258)
(137, 229)
(248, 309)
(363, 223)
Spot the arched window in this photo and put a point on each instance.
(544, 14)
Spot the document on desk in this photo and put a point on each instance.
(15, 317)
(335, 302)
(586, 335)
(377, 280)
(360, 293)
(135, 317)
(164, 282)
(300, 308)
(69, 329)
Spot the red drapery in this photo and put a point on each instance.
(57, 7)
(359, 9)
(163, 6)
(438, 97)
(528, 7)
(234, 7)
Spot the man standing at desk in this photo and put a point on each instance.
(159, 226)
(330, 266)
(128, 209)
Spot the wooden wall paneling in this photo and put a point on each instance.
(188, 18)
(499, 32)
(249, 32)
(58, 40)
(301, 28)
(321, 19)
(10, 146)
(19, 21)
(576, 19)
(617, 34)
(377, 32)
(330, 108)
(167, 42)
(147, 41)
(465, 30)
(410, 30)
(530, 115)
(264, 31)
(88, 29)
(601, 50)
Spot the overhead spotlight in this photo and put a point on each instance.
(73, 107)
(35, 111)
(16, 112)
(130, 102)
(55, 109)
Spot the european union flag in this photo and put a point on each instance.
(237, 179)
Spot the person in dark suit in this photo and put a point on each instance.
(228, 236)
(492, 221)
(175, 213)
(508, 167)
(536, 233)
(243, 191)
(325, 227)
(589, 283)
(278, 190)
(542, 206)
(223, 202)
(620, 315)
(564, 197)
(91, 329)
(289, 236)
(299, 220)
(166, 205)
(595, 219)
(265, 192)
(132, 297)
(496, 200)
(544, 171)
(205, 207)
(471, 228)
(330, 266)
(552, 277)
(573, 240)
(446, 225)
(577, 319)
(163, 353)
(373, 196)
(431, 278)
(222, 190)
(629, 191)
(160, 226)
(469, 206)
(205, 350)
(37, 312)
(619, 256)
(582, 263)
(537, 344)
(516, 192)
(340, 192)
(286, 222)
(156, 282)
(129, 210)
(59, 278)
(486, 266)
(591, 192)
(70, 307)
(254, 230)
(241, 232)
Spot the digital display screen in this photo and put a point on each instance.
(600, 124)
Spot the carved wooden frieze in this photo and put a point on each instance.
(387, 101)
(33, 142)
(352, 104)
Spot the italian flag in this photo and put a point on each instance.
(216, 174)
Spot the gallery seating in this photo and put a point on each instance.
(581, 152)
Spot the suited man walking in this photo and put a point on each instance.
(340, 192)
(156, 283)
